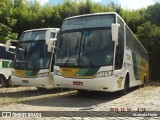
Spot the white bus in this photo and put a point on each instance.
(5, 64)
(33, 63)
(99, 52)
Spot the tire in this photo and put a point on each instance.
(145, 81)
(9, 82)
(82, 92)
(126, 87)
(41, 90)
(2, 81)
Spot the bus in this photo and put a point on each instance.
(99, 52)
(33, 61)
(5, 66)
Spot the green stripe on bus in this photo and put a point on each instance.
(31, 72)
(27, 73)
(87, 71)
(5, 64)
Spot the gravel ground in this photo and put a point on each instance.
(29, 99)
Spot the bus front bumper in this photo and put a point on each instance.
(108, 84)
(33, 82)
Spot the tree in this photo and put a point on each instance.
(6, 21)
(152, 14)
(149, 35)
(28, 15)
(132, 18)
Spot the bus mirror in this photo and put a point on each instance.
(11, 43)
(115, 28)
(51, 45)
(48, 37)
(49, 48)
(50, 42)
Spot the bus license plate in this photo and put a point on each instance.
(25, 81)
(78, 83)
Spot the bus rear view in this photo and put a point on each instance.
(90, 53)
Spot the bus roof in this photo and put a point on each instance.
(52, 29)
(92, 14)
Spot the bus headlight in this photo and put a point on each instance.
(104, 73)
(57, 72)
(43, 74)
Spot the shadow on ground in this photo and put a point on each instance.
(27, 92)
(75, 100)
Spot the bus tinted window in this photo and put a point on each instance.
(120, 46)
(5, 55)
(134, 45)
(88, 22)
(33, 35)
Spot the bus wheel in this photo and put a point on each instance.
(2, 81)
(41, 90)
(82, 92)
(126, 87)
(145, 81)
(9, 82)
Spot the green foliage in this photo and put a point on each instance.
(132, 18)
(149, 36)
(6, 21)
(152, 14)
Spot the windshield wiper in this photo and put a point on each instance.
(84, 43)
(66, 61)
(60, 44)
(76, 47)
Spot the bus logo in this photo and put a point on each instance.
(6, 114)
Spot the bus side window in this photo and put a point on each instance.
(5, 55)
(119, 56)
(120, 46)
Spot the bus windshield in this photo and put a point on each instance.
(85, 42)
(31, 53)
(88, 48)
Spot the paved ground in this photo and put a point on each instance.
(28, 99)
